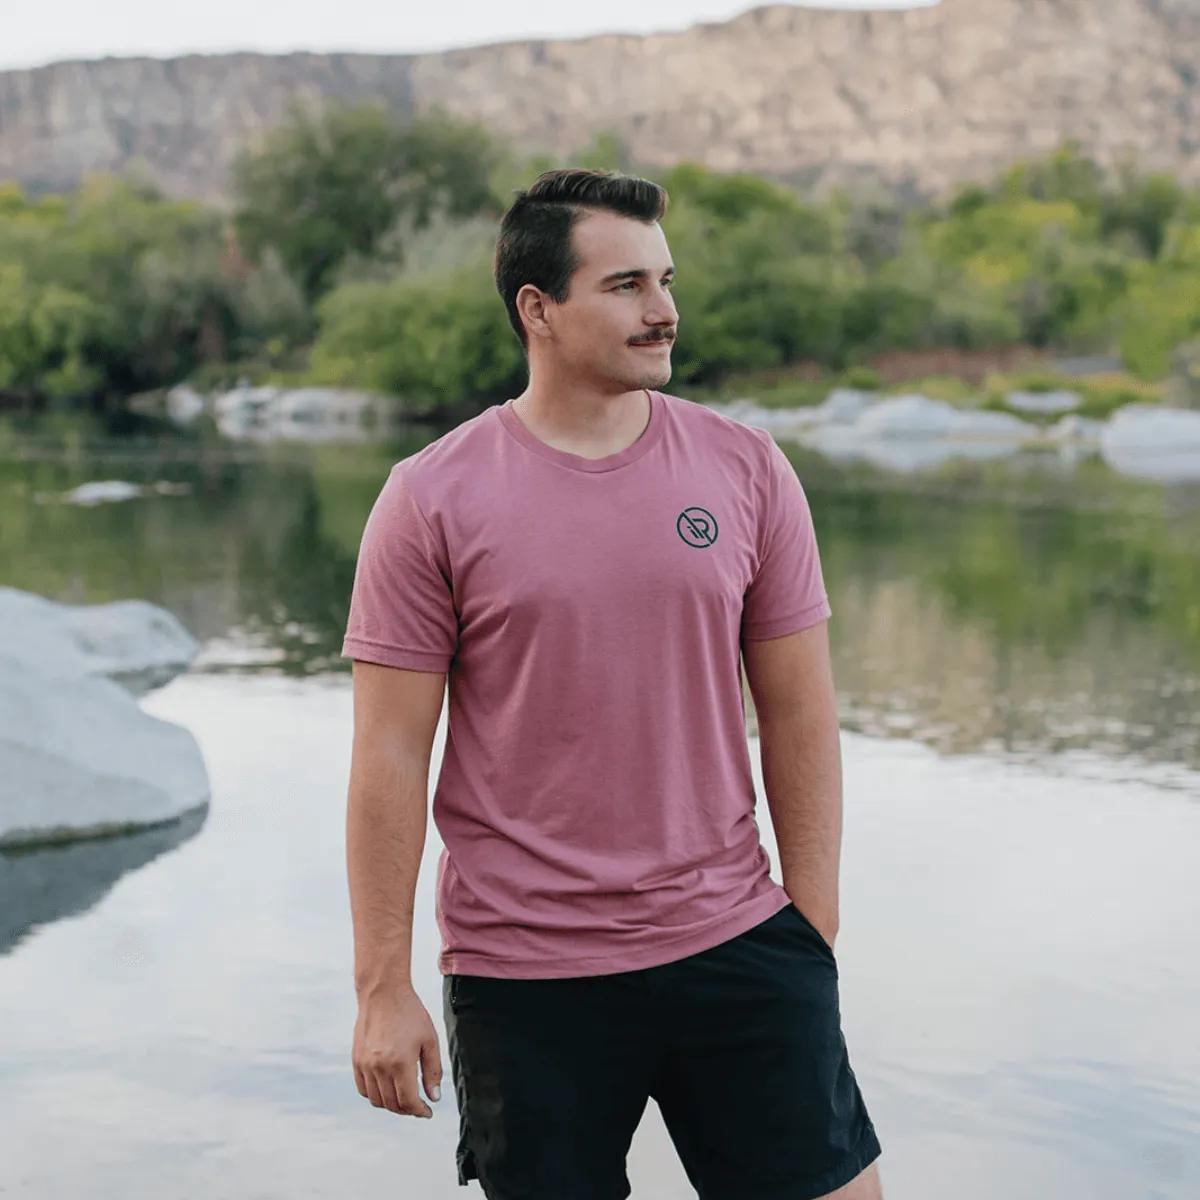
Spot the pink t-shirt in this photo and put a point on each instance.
(595, 798)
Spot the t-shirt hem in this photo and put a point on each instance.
(563, 966)
(393, 656)
(781, 627)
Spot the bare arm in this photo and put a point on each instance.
(791, 680)
(395, 718)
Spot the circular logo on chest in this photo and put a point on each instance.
(697, 527)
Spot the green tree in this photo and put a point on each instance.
(326, 186)
(437, 341)
(1161, 309)
(115, 290)
(43, 331)
(758, 281)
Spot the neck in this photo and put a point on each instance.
(582, 418)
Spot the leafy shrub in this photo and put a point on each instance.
(863, 379)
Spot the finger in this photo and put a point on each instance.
(431, 1069)
(373, 1093)
(360, 1082)
(392, 1101)
(410, 1098)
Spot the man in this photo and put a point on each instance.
(588, 565)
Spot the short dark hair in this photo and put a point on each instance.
(535, 244)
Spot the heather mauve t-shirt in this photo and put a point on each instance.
(595, 798)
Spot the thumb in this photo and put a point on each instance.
(431, 1069)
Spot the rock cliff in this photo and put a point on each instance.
(922, 97)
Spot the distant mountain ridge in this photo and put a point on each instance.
(922, 97)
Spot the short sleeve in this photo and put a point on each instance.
(402, 608)
(787, 593)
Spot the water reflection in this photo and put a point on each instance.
(1029, 606)
(1018, 610)
(1016, 959)
(50, 883)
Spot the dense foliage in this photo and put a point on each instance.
(359, 249)
(324, 189)
(114, 290)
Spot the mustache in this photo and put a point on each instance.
(653, 338)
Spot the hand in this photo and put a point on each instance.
(826, 925)
(392, 1035)
(828, 931)
(824, 919)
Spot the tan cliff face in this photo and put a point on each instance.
(925, 97)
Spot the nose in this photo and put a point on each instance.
(661, 309)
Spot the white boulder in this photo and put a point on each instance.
(1152, 427)
(908, 416)
(323, 405)
(138, 644)
(111, 491)
(104, 491)
(303, 414)
(1151, 442)
(79, 758)
(844, 406)
(916, 416)
(1051, 403)
(329, 415)
(781, 422)
(185, 404)
(245, 402)
(244, 411)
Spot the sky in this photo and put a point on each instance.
(32, 34)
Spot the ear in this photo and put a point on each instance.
(534, 305)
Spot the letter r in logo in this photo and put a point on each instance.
(697, 527)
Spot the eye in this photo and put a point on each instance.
(621, 287)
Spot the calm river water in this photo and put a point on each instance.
(1017, 649)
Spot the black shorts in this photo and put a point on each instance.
(741, 1046)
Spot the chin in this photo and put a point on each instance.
(653, 379)
(632, 377)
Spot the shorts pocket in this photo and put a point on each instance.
(813, 932)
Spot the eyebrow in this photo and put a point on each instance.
(639, 273)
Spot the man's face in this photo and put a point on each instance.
(617, 325)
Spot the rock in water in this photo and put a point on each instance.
(79, 758)
(1152, 427)
(917, 416)
(184, 404)
(104, 491)
(306, 414)
(1150, 442)
(844, 406)
(1050, 403)
(140, 645)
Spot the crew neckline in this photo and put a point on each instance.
(577, 462)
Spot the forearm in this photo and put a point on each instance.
(385, 839)
(802, 775)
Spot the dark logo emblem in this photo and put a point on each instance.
(697, 527)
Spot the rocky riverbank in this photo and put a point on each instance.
(911, 432)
